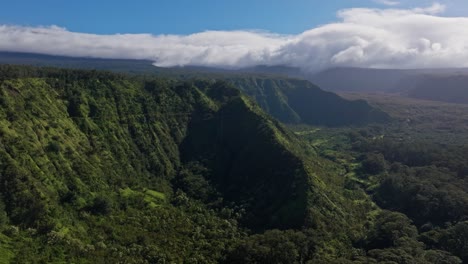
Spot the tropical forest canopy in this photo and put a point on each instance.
(102, 167)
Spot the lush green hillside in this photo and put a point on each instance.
(97, 167)
(298, 101)
(102, 167)
(86, 161)
(288, 100)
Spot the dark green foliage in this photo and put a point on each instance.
(297, 101)
(389, 228)
(273, 246)
(100, 166)
(455, 240)
(105, 168)
(410, 168)
(441, 257)
(3, 215)
(425, 180)
(374, 163)
(193, 181)
(87, 150)
(242, 158)
(53, 146)
(393, 239)
(418, 153)
(100, 206)
(425, 194)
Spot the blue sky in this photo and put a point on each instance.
(189, 16)
(309, 34)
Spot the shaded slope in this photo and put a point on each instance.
(243, 147)
(298, 101)
(87, 158)
(103, 130)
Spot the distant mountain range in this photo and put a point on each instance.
(447, 85)
(290, 100)
(374, 80)
(191, 167)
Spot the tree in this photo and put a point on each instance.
(274, 246)
(374, 163)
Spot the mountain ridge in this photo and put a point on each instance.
(79, 147)
(288, 99)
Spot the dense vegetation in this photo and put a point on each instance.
(86, 163)
(101, 166)
(416, 166)
(98, 167)
(295, 101)
(426, 182)
(291, 101)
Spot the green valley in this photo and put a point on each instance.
(99, 167)
(234, 132)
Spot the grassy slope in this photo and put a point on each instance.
(86, 161)
(67, 143)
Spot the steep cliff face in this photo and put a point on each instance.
(79, 147)
(299, 101)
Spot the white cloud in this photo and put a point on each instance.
(363, 37)
(387, 2)
(434, 9)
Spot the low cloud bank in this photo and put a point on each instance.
(362, 37)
